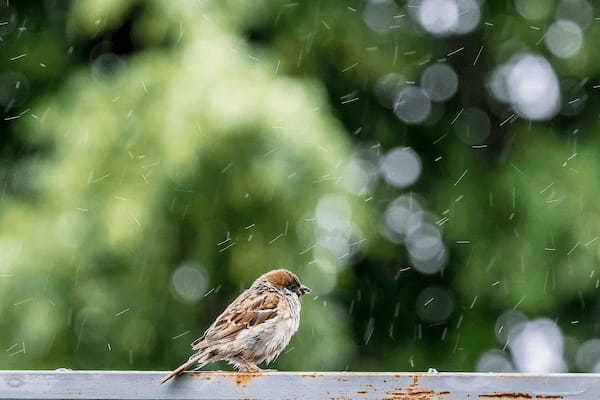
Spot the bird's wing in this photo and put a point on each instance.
(250, 309)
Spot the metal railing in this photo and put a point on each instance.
(65, 384)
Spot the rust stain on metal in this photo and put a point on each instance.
(311, 376)
(498, 395)
(506, 395)
(242, 379)
(519, 396)
(415, 380)
(414, 391)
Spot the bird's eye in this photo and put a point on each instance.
(293, 286)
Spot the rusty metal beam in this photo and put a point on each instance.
(296, 385)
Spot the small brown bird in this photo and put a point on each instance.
(256, 327)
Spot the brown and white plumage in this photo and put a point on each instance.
(255, 327)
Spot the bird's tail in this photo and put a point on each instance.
(196, 358)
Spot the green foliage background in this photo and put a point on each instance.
(155, 133)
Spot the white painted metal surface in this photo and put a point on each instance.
(297, 385)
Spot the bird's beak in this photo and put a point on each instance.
(303, 290)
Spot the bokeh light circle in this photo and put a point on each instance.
(579, 11)
(508, 324)
(412, 105)
(426, 249)
(494, 360)
(564, 38)
(379, 15)
(401, 167)
(534, 10)
(189, 282)
(434, 304)
(473, 127)
(533, 87)
(387, 87)
(439, 81)
(438, 16)
(588, 355)
(334, 213)
(538, 347)
(469, 15)
(403, 215)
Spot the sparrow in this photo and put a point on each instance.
(255, 327)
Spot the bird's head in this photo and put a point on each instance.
(283, 279)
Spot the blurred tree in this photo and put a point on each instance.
(169, 181)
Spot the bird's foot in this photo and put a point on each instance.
(250, 368)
